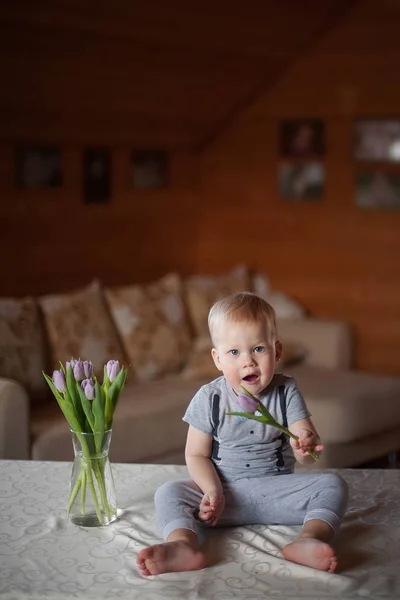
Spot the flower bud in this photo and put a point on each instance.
(247, 404)
(70, 364)
(88, 368)
(79, 372)
(113, 369)
(88, 388)
(59, 381)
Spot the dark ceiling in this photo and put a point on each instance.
(167, 72)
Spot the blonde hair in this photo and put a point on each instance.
(243, 306)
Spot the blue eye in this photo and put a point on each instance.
(259, 349)
(234, 352)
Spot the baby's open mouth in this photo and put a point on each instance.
(250, 378)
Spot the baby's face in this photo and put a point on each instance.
(245, 355)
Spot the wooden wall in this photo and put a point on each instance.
(69, 81)
(222, 207)
(51, 241)
(339, 261)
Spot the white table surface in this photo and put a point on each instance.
(43, 556)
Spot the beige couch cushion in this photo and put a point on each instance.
(348, 405)
(153, 326)
(22, 356)
(203, 290)
(79, 326)
(327, 343)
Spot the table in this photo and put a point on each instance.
(43, 556)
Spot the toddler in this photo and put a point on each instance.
(242, 471)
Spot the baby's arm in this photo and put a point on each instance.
(202, 471)
(308, 440)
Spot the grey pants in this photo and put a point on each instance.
(276, 500)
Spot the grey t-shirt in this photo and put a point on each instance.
(243, 447)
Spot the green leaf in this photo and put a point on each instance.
(86, 405)
(116, 387)
(53, 388)
(247, 415)
(108, 411)
(75, 399)
(97, 408)
(262, 409)
(108, 405)
(269, 420)
(65, 406)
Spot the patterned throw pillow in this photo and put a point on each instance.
(152, 324)
(203, 290)
(200, 364)
(285, 307)
(79, 325)
(21, 346)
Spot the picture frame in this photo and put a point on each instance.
(302, 138)
(38, 167)
(150, 169)
(301, 181)
(96, 175)
(378, 190)
(376, 140)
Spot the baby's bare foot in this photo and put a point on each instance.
(169, 557)
(311, 553)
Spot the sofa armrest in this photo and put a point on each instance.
(14, 421)
(326, 343)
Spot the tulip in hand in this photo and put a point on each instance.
(251, 405)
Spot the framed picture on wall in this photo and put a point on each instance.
(378, 190)
(96, 176)
(377, 140)
(38, 167)
(150, 169)
(302, 138)
(301, 181)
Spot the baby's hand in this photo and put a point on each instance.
(211, 507)
(307, 440)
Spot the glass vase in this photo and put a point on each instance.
(92, 493)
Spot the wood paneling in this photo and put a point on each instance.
(339, 261)
(179, 75)
(51, 241)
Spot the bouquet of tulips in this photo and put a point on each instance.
(89, 409)
(250, 404)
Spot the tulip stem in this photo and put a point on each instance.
(93, 490)
(74, 492)
(83, 492)
(99, 474)
(86, 465)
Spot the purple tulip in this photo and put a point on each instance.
(70, 364)
(88, 368)
(59, 381)
(88, 388)
(113, 369)
(247, 404)
(79, 372)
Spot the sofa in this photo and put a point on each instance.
(160, 331)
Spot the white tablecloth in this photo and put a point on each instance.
(43, 556)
